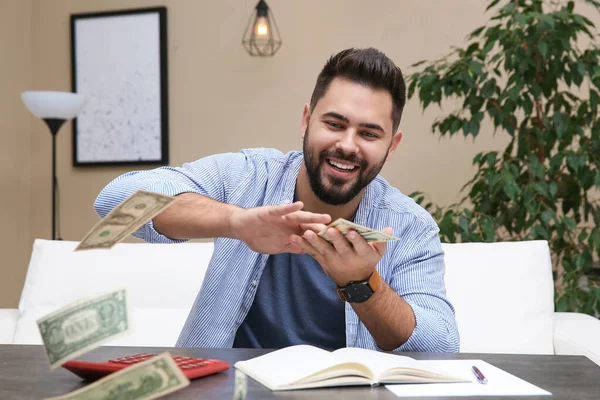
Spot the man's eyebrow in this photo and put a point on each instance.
(373, 126)
(335, 115)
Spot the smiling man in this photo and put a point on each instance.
(273, 282)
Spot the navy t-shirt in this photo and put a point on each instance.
(295, 303)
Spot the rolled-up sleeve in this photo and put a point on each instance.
(213, 176)
(419, 280)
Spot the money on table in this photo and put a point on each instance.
(144, 381)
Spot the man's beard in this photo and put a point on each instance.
(336, 194)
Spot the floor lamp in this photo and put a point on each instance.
(54, 108)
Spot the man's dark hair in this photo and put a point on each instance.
(369, 67)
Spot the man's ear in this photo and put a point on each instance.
(305, 120)
(395, 142)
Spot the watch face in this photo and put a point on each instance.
(358, 292)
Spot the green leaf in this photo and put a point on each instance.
(570, 223)
(490, 234)
(509, 8)
(539, 232)
(521, 19)
(418, 63)
(541, 189)
(563, 304)
(548, 216)
(491, 158)
(583, 235)
(543, 48)
(547, 19)
(553, 189)
(492, 4)
(464, 224)
(595, 239)
(511, 189)
(487, 90)
(476, 32)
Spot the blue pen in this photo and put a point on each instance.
(480, 377)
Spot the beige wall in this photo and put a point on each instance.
(15, 140)
(221, 99)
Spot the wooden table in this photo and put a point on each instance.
(25, 374)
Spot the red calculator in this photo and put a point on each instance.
(190, 366)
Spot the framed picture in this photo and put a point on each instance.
(119, 63)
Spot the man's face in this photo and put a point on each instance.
(347, 139)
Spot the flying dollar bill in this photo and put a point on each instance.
(125, 219)
(144, 381)
(84, 325)
(344, 226)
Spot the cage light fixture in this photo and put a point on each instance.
(261, 37)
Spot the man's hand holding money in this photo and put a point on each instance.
(346, 258)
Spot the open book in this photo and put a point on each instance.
(304, 366)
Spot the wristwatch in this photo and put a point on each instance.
(359, 291)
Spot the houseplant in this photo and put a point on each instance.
(532, 72)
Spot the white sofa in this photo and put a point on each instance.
(502, 293)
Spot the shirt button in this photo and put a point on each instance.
(287, 201)
(254, 283)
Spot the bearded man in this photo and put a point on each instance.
(273, 281)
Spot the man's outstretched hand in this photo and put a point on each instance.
(267, 229)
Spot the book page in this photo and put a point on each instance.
(287, 365)
(376, 361)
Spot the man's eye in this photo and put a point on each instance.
(334, 125)
(369, 135)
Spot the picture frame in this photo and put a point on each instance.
(119, 64)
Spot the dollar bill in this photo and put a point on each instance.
(123, 220)
(144, 381)
(84, 325)
(240, 390)
(344, 226)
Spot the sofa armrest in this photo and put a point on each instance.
(577, 334)
(8, 323)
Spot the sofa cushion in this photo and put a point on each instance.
(149, 327)
(577, 334)
(8, 322)
(155, 275)
(503, 294)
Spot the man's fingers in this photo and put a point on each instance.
(339, 241)
(305, 217)
(317, 228)
(320, 245)
(283, 209)
(361, 246)
(380, 246)
(388, 231)
(304, 245)
(293, 248)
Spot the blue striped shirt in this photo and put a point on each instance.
(413, 267)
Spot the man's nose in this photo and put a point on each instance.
(347, 142)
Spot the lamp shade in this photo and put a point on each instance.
(50, 104)
(261, 37)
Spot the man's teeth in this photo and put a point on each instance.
(342, 166)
